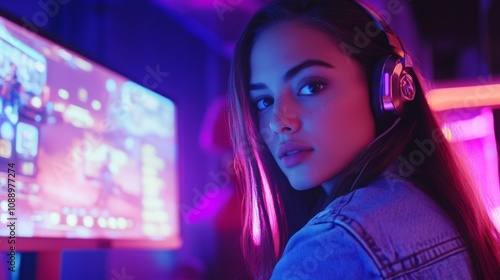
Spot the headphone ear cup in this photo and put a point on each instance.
(407, 86)
(392, 87)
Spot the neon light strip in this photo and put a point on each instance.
(464, 97)
(463, 130)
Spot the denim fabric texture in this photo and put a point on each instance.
(387, 230)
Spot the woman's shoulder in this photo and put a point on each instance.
(388, 197)
(391, 209)
(390, 227)
(388, 203)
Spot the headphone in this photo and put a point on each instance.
(393, 85)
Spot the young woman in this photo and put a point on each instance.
(345, 170)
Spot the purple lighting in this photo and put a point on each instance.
(473, 136)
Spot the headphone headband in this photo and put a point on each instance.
(392, 39)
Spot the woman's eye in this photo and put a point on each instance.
(263, 103)
(312, 88)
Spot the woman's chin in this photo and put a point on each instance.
(303, 186)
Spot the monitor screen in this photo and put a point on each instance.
(85, 153)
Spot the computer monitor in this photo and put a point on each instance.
(88, 158)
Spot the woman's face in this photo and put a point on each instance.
(314, 109)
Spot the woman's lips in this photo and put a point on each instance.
(295, 158)
(292, 153)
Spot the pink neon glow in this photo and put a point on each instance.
(475, 135)
(255, 221)
(268, 196)
(464, 97)
(476, 138)
(463, 130)
(495, 214)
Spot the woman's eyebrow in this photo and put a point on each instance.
(294, 70)
(308, 63)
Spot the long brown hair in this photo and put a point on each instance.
(274, 210)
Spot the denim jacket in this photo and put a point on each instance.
(387, 230)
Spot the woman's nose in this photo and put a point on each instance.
(285, 118)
